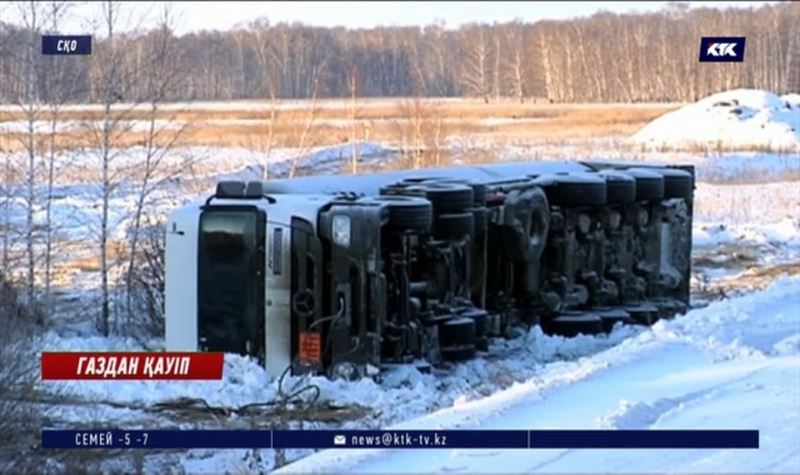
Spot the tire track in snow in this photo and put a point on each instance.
(645, 415)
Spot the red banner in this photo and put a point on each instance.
(131, 366)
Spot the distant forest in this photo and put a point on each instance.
(603, 58)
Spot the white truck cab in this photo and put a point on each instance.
(228, 270)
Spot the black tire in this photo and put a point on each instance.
(480, 218)
(621, 188)
(480, 317)
(457, 331)
(612, 316)
(649, 184)
(669, 308)
(577, 190)
(643, 314)
(445, 197)
(454, 226)
(479, 190)
(677, 183)
(458, 353)
(574, 323)
(408, 213)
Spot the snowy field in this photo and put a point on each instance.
(732, 365)
(732, 362)
(738, 119)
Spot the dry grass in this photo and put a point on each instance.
(752, 279)
(377, 120)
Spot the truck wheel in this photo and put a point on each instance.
(574, 323)
(677, 183)
(611, 316)
(668, 308)
(457, 331)
(621, 188)
(457, 339)
(576, 190)
(480, 317)
(649, 184)
(459, 353)
(453, 226)
(449, 196)
(479, 190)
(643, 314)
(408, 213)
(444, 197)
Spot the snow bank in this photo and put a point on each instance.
(319, 161)
(732, 365)
(737, 119)
(403, 392)
(785, 232)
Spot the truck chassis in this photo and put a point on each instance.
(333, 275)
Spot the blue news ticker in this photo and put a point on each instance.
(398, 439)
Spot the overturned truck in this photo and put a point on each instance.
(334, 275)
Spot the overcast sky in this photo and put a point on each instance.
(194, 16)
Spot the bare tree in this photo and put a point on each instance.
(475, 70)
(515, 59)
(353, 81)
(30, 14)
(113, 81)
(61, 84)
(300, 142)
(163, 132)
(497, 53)
(437, 141)
(256, 37)
(19, 418)
(410, 126)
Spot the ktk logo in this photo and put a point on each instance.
(729, 49)
(722, 49)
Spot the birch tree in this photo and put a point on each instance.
(515, 59)
(112, 81)
(475, 70)
(31, 16)
(62, 83)
(160, 77)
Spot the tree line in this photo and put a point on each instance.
(606, 57)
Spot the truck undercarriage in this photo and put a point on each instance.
(335, 274)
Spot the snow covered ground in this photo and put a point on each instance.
(732, 365)
(737, 119)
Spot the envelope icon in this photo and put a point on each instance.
(339, 440)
